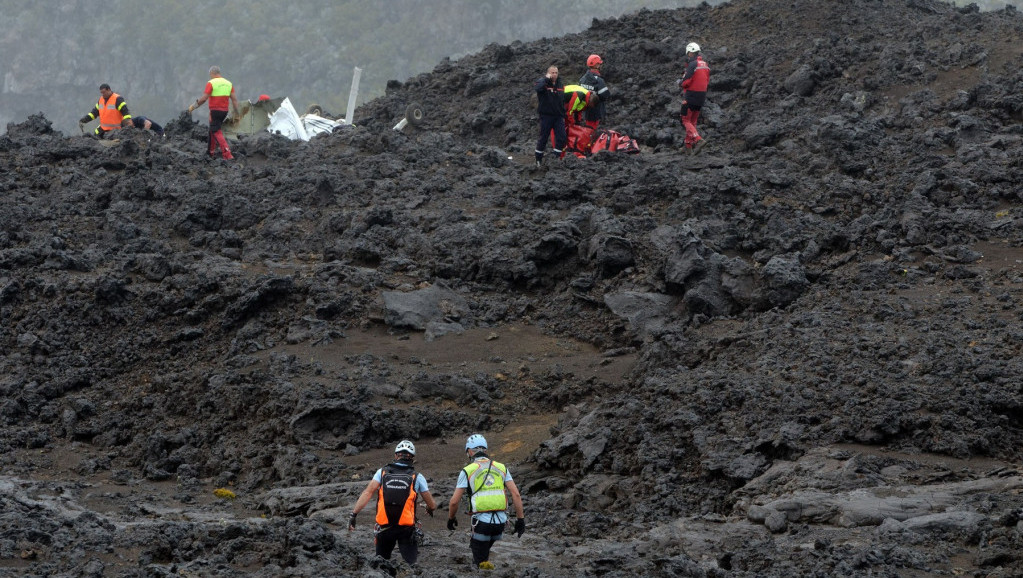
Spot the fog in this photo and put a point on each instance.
(157, 58)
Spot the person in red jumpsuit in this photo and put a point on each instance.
(694, 94)
(220, 93)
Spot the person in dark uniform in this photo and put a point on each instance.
(551, 107)
(147, 124)
(593, 82)
(694, 94)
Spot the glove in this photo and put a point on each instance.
(81, 126)
(84, 119)
(429, 512)
(351, 521)
(520, 527)
(191, 107)
(452, 524)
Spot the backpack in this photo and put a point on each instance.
(578, 139)
(604, 140)
(397, 497)
(609, 140)
(627, 144)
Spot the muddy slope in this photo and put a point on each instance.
(797, 353)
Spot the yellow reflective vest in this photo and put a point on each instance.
(577, 98)
(486, 486)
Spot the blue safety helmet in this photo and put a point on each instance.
(476, 441)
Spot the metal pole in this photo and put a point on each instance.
(353, 95)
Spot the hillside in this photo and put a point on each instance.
(795, 354)
(55, 57)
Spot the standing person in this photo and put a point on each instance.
(397, 487)
(486, 482)
(147, 124)
(111, 110)
(220, 92)
(694, 94)
(549, 94)
(593, 82)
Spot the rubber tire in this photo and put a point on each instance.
(414, 114)
(314, 109)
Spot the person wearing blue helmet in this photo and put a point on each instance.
(488, 484)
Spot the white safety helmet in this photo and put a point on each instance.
(476, 441)
(692, 47)
(405, 446)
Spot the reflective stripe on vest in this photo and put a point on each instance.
(579, 99)
(486, 485)
(109, 117)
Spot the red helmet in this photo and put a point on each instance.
(594, 61)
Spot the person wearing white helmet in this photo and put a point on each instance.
(397, 487)
(694, 93)
(486, 482)
(594, 82)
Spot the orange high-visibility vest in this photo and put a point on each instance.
(109, 116)
(405, 512)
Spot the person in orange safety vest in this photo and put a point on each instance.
(397, 487)
(111, 110)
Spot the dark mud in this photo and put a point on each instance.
(795, 354)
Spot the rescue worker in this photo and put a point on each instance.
(111, 110)
(694, 93)
(486, 482)
(397, 487)
(145, 123)
(593, 82)
(577, 100)
(549, 94)
(220, 92)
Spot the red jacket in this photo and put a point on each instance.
(697, 76)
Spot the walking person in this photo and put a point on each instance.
(220, 93)
(397, 487)
(694, 94)
(110, 109)
(486, 481)
(594, 82)
(551, 107)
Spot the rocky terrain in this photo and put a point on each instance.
(795, 354)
